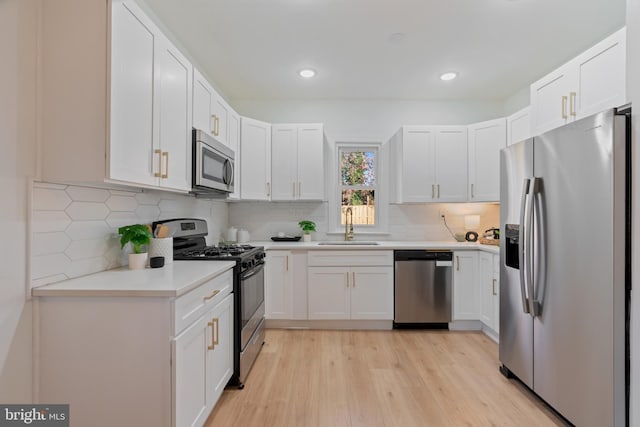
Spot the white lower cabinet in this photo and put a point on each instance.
(203, 355)
(160, 361)
(488, 289)
(363, 293)
(278, 293)
(466, 296)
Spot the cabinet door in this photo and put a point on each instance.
(133, 43)
(519, 126)
(486, 287)
(255, 158)
(417, 164)
(219, 349)
(190, 362)
(451, 164)
(485, 142)
(601, 73)
(284, 154)
(310, 184)
(328, 292)
(174, 121)
(550, 99)
(465, 293)
(371, 293)
(203, 99)
(278, 296)
(234, 144)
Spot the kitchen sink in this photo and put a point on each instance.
(349, 243)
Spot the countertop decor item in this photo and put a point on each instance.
(139, 236)
(307, 227)
(286, 239)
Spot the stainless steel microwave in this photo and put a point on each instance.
(213, 164)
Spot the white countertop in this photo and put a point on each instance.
(383, 245)
(172, 280)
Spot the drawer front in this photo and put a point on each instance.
(195, 303)
(350, 258)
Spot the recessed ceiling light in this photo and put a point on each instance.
(448, 76)
(307, 73)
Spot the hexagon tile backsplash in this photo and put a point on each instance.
(75, 229)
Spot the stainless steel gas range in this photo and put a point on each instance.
(248, 286)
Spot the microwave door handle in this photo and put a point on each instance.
(522, 245)
(230, 172)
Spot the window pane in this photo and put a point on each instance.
(362, 204)
(358, 168)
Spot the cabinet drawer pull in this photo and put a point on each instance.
(354, 279)
(159, 173)
(213, 294)
(494, 287)
(299, 188)
(165, 175)
(564, 107)
(472, 195)
(433, 191)
(287, 268)
(572, 104)
(438, 191)
(294, 189)
(457, 263)
(347, 274)
(213, 131)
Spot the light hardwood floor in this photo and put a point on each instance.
(379, 378)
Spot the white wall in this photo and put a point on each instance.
(372, 119)
(633, 92)
(17, 162)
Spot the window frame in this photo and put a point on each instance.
(381, 188)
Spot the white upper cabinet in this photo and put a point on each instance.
(210, 111)
(297, 167)
(173, 117)
(133, 41)
(255, 159)
(124, 107)
(451, 164)
(430, 164)
(519, 126)
(589, 83)
(486, 139)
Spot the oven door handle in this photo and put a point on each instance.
(253, 272)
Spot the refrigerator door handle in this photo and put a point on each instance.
(522, 244)
(533, 188)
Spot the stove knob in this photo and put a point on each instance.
(245, 264)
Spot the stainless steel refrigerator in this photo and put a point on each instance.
(564, 276)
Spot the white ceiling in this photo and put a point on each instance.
(254, 48)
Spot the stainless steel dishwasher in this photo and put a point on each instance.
(422, 288)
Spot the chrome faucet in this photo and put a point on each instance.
(348, 224)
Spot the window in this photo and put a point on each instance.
(358, 184)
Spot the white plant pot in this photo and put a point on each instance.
(138, 261)
(306, 237)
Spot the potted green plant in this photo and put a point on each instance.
(139, 236)
(307, 227)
